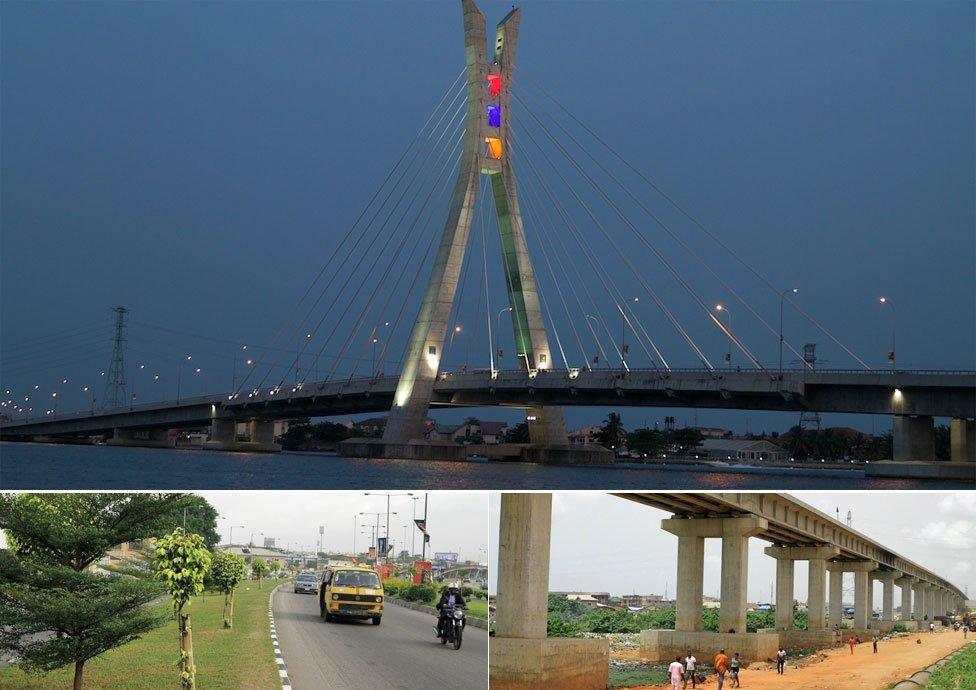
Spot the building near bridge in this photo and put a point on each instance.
(584, 435)
(643, 601)
(735, 449)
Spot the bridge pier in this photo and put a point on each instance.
(223, 436)
(141, 438)
(905, 582)
(913, 439)
(887, 579)
(962, 440)
(786, 556)
(659, 645)
(862, 593)
(521, 654)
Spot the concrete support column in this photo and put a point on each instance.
(836, 596)
(786, 556)
(905, 583)
(691, 569)
(735, 570)
(784, 593)
(962, 440)
(816, 591)
(261, 431)
(887, 578)
(913, 438)
(525, 522)
(862, 591)
(223, 430)
(918, 610)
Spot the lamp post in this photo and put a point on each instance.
(728, 355)
(230, 537)
(891, 355)
(782, 297)
(251, 540)
(179, 376)
(233, 373)
(594, 319)
(54, 395)
(388, 496)
(413, 532)
(498, 328)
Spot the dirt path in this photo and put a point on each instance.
(837, 669)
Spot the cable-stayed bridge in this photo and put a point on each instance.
(615, 292)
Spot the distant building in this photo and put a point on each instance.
(490, 432)
(712, 432)
(372, 426)
(250, 552)
(269, 542)
(584, 435)
(734, 449)
(642, 601)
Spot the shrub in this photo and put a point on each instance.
(900, 627)
(394, 586)
(419, 593)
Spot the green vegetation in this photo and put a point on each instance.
(899, 627)
(305, 436)
(260, 568)
(517, 434)
(475, 599)
(571, 619)
(181, 560)
(612, 434)
(958, 674)
(54, 611)
(227, 570)
(225, 659)
(632, 677)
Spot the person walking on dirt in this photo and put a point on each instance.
(852, 642)
(734, 667)
(676, 672)
(721, 664)
(874, 645)
(690, 670)
(781, 660)
(965, 631)
(931, 627)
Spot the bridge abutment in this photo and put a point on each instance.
(141, 438)
(521, 654)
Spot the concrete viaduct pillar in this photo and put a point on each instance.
(913, 439)
(962, 440)
(223, 436)
(887, 579)
(658, 645)
(521, 655)
(918, 610)
(785, 557)
(862, 592)
(142, 438)
(905, 582)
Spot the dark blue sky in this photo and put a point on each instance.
(197, 162)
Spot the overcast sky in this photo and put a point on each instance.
(604, 543)
(457, 520)
(198, 163)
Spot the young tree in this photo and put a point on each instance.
(181, 561)
(650, 441)
(226, 571)
(259, 567)
(53, 613)
(275, 566)
(518, 433)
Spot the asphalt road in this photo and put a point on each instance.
(402, 652)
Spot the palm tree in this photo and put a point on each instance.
(612, 434)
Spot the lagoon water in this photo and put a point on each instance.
(45, 466)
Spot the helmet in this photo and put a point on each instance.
(454, 585)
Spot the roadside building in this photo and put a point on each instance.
(584, 435)
(735, 449)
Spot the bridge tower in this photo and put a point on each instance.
(485, 152)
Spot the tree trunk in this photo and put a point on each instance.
(232, 608)
(79, 673)
(227, 621)
(186, 653)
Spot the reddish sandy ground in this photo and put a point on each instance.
(837, 669)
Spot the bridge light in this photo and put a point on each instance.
(63, 381)
(897, 394)
(244, 348)
(494, 147)
(457, 329)
(494, 84)
(36, 387)
(142, 366)
(494, 116)
(198, 370)
(189, 357)
(155, 377)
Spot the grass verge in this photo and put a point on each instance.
(628, 678)
(958, 674)
(238, 658)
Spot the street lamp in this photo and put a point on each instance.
(413, 532)
(623, 333)
(782, 297)
(230, 537)
(251, 540)
(179, 376)
(728, 355)
(91, 397)
(498, 328)
(55, 396)
(891, 355)
(388, 496)
(233, 375)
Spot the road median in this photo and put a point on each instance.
(424, 608)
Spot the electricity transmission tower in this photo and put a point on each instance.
(114, 395)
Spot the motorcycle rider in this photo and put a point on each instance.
(450, 599)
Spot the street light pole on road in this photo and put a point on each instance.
(891, 355)
(230, 537)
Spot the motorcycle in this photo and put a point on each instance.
(453, 627)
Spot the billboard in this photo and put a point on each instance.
(446, 556)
